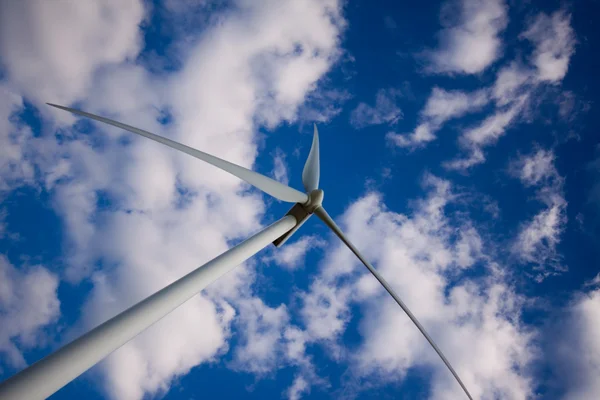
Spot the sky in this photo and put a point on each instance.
(459, 152)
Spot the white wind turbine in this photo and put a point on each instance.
(51, 373)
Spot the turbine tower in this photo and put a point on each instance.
(51, 373)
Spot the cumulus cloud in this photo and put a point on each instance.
(575, 348)
(472, 41)
(167, 213)
(441, 106)
(298, 388)
(14, 167)
(28, 302)
(56, 61)
(291, 255)
(418, 254)
(262, 336)
(385, 110)
(269, 342)
(554, 42)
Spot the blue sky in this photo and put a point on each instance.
(459, 151)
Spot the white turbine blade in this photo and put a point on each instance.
(264, 183)
(311, 172)
(321, 213)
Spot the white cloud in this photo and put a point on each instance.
(595, 282)
(535, 169)
(554, 42)
(298, 388)
(511, 82)
(323, 105)
(419, 137)
(56, 60)
(291, 255)
(168, 212)
(475, 322)
(513, 89)
(385, 110)
(441, 106)
(14, 167)
(492, 127)
(576, 349)
(538, 238)
(193, 333)
(325, 310)
(472, 41)
(444, 105)
(280, 170)
(468, 248)
(28, 302)
(268, 342)
(262, 336)
(487, 133)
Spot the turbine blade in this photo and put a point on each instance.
(264, 183)
(311, 172)
(322, 214)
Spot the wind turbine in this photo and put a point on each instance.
(51, 373)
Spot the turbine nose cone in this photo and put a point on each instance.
(315, 200)
(316, 197)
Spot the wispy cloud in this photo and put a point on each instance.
(28, 302)
(511, 83)
(441, 106)
(416, 254)
(485, 134)
(515, 86)
(538, 238)
(534, 169)
(323, 105)
(280, 170)
(385, 110)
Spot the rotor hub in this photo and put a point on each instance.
(315, 199)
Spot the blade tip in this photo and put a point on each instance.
(56, 106)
